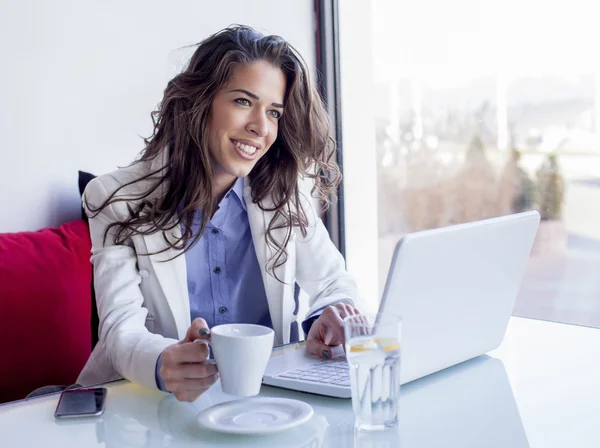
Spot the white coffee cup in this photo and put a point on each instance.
(241, 352)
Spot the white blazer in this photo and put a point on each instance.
(143, 302)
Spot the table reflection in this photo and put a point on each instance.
(142, 418)
(469, 405)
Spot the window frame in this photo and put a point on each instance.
(328, 81)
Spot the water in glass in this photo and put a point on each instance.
(375, 381)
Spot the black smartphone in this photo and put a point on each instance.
(76, 403)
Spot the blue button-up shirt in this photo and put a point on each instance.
(223, 275)
(225, 284)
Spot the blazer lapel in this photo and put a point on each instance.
(172, 276)
(274, 290)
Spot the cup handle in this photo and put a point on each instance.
(207, 342)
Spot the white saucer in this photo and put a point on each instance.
(260, 415)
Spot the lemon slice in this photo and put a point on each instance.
(358, 348)
(388, 345)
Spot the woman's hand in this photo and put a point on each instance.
(184, 370)
(328, 330)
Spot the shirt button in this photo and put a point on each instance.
(228, 194)
(215, 232)
(222, 310)
(144, 273)
(217, 270)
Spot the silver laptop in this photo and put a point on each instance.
(455, 288)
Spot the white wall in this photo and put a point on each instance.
(79, 78)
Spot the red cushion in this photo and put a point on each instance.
(45, 307)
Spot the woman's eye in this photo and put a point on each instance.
(243, 101)
(275, 113)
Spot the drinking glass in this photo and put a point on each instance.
(373, 346)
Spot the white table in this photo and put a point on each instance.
(541, 388)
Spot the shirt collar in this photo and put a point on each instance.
(238, 189)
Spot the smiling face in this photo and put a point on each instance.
(243, 121)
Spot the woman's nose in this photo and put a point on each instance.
(258, 126)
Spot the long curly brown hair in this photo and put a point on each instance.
(303, 147)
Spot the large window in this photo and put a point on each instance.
(483, 108)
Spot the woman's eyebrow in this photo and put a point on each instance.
(255, 97)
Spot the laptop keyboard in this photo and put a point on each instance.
(332, 371)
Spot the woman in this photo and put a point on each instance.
(210, 225)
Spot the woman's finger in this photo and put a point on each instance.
(188, 352)
(198, 330)
(316, 347)
(194, 384)
(332, 326)
(187, 371)
(345, 309)
(349, 310)
(332, 317)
